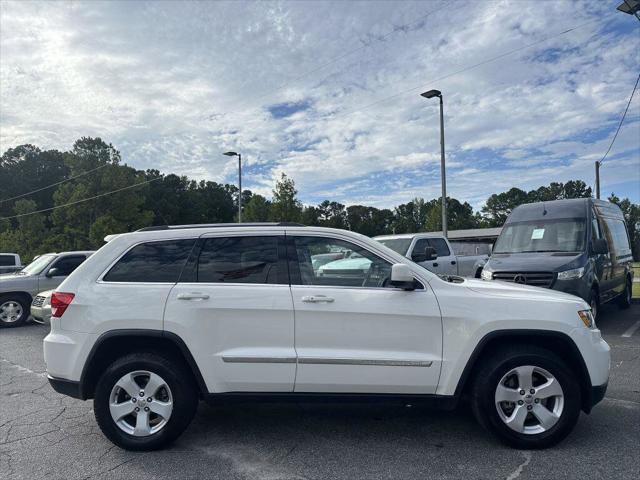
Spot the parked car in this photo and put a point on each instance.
(160, 318)
(9, 262)
(434, 252)
(578, 246)
(41, 307)
(44, 273)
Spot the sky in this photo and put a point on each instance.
(328, 92)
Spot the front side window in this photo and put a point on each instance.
(239, 260)
(563, 235)
(66, 265)
(354, 267)
(153, 262)
(442, 250)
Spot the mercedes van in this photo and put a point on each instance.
(578, 246)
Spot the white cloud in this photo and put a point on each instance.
(174, 84)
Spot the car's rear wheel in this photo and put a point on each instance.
(144, 401)
(527, 397)
(625, 299)
(14, 310)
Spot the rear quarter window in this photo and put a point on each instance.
(152, 262)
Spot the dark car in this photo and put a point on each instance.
(578, 246)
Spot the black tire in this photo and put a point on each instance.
(24, 304)
(499, 364)
(624, 301)
(594, 303)
(183, 391)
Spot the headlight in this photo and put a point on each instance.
(587, 318)
(486, 275)
(571, 274)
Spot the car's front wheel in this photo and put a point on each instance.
(144, 401)
(527, 397)
(14, 310)
(625, 299)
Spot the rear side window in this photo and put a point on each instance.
(617, 237)
(7, 261)
(153, 262)
(442, 250)
(239, 260)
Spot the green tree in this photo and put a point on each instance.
(411, 217)
(27, 237)
(332, 215)
(285, 206)
(257, 209)
(369, 221)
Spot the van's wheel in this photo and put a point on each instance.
(144, 401)
(526, 396)
(14, 310)
(594, 303)
(625, 299)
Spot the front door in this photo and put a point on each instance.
(233, 308)
(445, 264)
(353, 332)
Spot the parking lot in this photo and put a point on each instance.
(46, 435)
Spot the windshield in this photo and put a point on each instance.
(38, 265)
(398, 245)
(563, 235)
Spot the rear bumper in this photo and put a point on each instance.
(66, 387)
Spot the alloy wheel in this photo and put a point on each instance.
(529, 400)
(141, 403)
(10, 311)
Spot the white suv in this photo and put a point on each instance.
(160, 318)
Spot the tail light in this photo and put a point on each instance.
(59, 303)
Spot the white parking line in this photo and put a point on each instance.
(632, 329)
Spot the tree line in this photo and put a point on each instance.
(66, 221)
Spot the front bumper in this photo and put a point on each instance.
(597, 394)
(41, 314)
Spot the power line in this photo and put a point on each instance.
(83, 200)
(462, 70)
(54, 184)
(621, 120)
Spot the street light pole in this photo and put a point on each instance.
(597, 179)
(443, 176)
(234, 154)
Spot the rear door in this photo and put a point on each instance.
(356, 334)
(233, 308)
(619, 251)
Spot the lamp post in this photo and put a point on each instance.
(234, 154)
(443, 176)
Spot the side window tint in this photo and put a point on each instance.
(7, 260)
(442, 250)
(153, 262)
(616, 233)
(239, 260)
(67, 265)
(332, 262)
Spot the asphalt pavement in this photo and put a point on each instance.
(46, 435)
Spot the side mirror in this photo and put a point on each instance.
(401, 277)
(53, 272)
(599, 246)
(426, 256)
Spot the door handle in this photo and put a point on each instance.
(193, 296)
(317, 299)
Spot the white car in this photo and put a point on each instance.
(160, 318)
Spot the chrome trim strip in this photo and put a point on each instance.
(363, 361)
(231, 359)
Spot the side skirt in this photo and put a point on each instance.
(441, 402)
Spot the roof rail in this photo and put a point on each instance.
(220, 225)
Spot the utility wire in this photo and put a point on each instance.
(54, 184)
(83, 200)
(621, 120)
